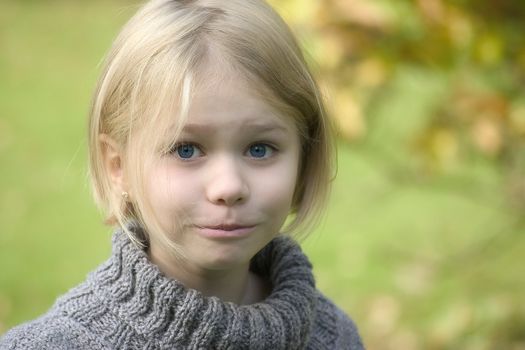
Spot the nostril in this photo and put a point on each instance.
(231, 200)
(227, 195)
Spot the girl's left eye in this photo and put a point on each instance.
(186, 151)
(260, 150)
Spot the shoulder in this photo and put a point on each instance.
(54, 330)
(333, 329)
(48, 332)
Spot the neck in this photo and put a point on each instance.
(238, 285)
(160, 310)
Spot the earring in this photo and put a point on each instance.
(125, 196)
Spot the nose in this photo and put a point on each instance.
(227, 185)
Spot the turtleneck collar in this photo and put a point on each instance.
(164, 312)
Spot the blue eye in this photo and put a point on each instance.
(260, 150)
(186, 150)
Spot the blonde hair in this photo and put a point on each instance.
(152, 71)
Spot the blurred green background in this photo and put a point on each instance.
(424, 241)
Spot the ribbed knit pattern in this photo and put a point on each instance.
(127, 303)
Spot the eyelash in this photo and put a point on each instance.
(177, 149)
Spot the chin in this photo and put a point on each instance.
(226, 259)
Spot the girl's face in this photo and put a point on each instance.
(225, 190)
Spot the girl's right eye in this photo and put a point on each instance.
(186, 151)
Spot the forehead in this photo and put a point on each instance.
(233, 102)
(230, 95)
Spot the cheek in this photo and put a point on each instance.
(276, 190)
(167, 192)
(167, 183)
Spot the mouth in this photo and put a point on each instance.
(225, 230)
(226, 227)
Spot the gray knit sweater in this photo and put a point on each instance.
(127, 303)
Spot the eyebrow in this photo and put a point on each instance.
(250, 126)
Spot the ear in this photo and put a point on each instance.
(113, 162)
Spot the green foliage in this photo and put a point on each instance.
(364, 46)
(429, 98)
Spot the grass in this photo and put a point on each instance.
(419, 261)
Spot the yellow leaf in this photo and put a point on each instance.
(487, 135)
(384, 314)
(371, 72)
(364, 12)
(348, 115)
(489, 49)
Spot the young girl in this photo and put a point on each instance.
(207, 132)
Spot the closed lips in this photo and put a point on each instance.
(225, 227)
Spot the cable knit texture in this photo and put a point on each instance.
(127, 303)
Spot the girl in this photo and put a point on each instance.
(207, 132)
